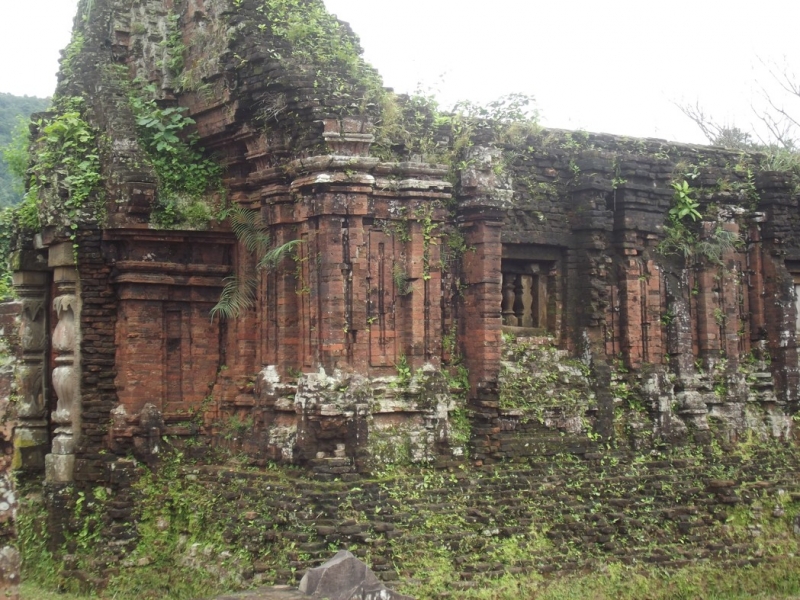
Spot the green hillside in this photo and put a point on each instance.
(14, 111)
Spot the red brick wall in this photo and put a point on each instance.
(481, 330)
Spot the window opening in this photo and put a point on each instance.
(526, 294)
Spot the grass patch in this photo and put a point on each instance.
(617, 582)
(771, 581)
(33, 591)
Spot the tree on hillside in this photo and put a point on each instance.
(14, 114)
(777, 112)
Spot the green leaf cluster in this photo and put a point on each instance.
(308, 39)
(173, 148)
(682, 239)
(684, 205)
(68, 148)
(185, 173)
(417, 125)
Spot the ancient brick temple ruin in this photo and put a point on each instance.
(459, 286)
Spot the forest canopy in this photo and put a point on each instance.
(14, 114)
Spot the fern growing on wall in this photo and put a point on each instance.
(239, 293)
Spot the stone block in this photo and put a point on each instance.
(61, 255)
(59, 468)
(344, 577)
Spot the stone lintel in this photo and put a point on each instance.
(494, 201)
(419, 184)
(477, 214)
(61, 255)
(412, 169)
(409, 195)
(151, 267)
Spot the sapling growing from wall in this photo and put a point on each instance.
(682, 237)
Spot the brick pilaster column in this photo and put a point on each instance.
(778, 202)
(482, 199)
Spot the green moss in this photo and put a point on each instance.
(535, 378)
(392, 446)
(174, 46)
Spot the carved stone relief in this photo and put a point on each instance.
(31, 436)
(33, 327)
(67, 389)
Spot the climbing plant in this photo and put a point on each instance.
(174, 45)
(425, 216)
(6, 235)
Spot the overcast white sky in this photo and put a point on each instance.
(610, 65)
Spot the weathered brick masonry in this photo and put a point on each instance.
(9, 350)
(407, 272)
(562, 237)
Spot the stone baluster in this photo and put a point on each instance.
(526, 301)
(31, 436)
(66, 374)
(519, 305)
(509, 318)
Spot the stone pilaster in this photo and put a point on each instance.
(66, 373)
(31, 436)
